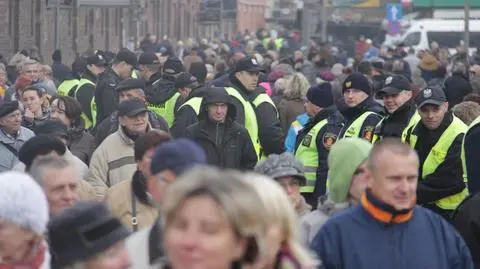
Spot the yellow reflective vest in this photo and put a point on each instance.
(355, 128)
(260, 99)
(93, 107)
(307, 153)
(167, 109)
(464, 163)
(67, 85)
(412, 122)
(194, 103)
(437, 155)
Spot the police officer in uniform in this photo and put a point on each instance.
(361, 112)
(316, 138)
(85, 90)
(162, 96)
(255, 109)
(437, 139)
(401, 109)
(105, 96)
(149, 66)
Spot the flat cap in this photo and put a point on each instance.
(8, 107)
(283, 165)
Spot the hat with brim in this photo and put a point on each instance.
(388, 91)
(255, 69)
(430, 102)
(288, 172)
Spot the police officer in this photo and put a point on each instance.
(105, 96)
(401, 109)
(162, 96)
(316, 138)
(149, 66)
(437, 139)
(85, 90)
(361, 113)
(255, 109)
(192, 92)
(78, 67)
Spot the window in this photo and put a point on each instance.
(412, 39)
(452, 39)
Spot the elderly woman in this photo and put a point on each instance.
(291, 105)
(213, 219)
(87, 236)
(69, 111)
(283, 250)
(23, 223)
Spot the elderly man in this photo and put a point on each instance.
(12, 134)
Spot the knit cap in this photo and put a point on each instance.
(321, 95)
(23, 202)
(357, 81)
(283, 165)
(344, 158)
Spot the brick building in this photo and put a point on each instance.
(30, 24)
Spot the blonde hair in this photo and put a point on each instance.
(238, 201)
(296, 87)
(279, 211)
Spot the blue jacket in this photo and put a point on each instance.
(417, 239)
(295, 127)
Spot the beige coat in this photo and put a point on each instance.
(119, 199)
(112, 162)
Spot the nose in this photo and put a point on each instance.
(403, 186)
(70, 195)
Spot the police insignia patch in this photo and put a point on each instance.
(348, 84)
(368, 133)
(328, 140)
(307, 140)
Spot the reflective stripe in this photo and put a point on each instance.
(437, 156)
(121, 162)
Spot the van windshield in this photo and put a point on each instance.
(452, 39)
(412, 39)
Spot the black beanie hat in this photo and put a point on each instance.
(321, 95)
(198, 70)
(357, 81)
(40, 145)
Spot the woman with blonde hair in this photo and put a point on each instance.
(291, 104)
(282, 245)
(212, 219)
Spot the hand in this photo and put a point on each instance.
(29, 116)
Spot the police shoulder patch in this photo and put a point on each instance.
(307, 140)
(368, 132)
(328, 140)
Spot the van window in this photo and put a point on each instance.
(452, 39)
(412, 39)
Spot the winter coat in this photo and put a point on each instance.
(472, 158)
(456, 87)
(288, 110)
(161, 90)
(112, 162)
(119, 198)
(81, 143)
(394, 124)
(145, 247)
(293, 131)
(37, 121)
(110, 125)
(105, 93)
(10, 146)
(374, 235)
(369, 124)
(185, 115)
(311, 223)
(466, 220)
(228, 144)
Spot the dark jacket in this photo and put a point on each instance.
(466, 220)
(456, 87)
(472, 158)
(270, 132)
(86, 93)
(110, 125)
(357, 238)
(394, 124)
(228, 144)
(158, 91)
(82, 144)
(105, 94)
(448, 177)
(185, 115)
(352, 113)
(331, 130)
(37, 121)
(60, 71)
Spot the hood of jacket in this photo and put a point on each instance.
(369, 104)
(215, 96)
(198, 92)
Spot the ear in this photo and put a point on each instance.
(409, 94)
(445, 106)
(122, 121)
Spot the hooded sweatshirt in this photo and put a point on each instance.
(345, 157)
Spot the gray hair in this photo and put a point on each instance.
(44, 163)
(23, 64)
(459, 68)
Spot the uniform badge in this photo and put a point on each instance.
(254, 61)
(112, 84)
(328, 140)
(388, 80)
(307, 140)
(427, 93)
(368, 133)
(348, 84)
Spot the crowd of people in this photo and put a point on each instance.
(249, 153)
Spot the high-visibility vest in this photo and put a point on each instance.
(354, 129)
(260, 99)
(93, 107)
(437, 155)
(167, 109)
(67, 85)
(307, 153)
(194, 103)
(412, 122)
(251, 123)
(278, 43)
(464, 163)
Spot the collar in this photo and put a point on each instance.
(383, 212)
(422, 129)
(155, 238)
(407, 110)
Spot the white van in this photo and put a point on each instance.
(447, 33)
